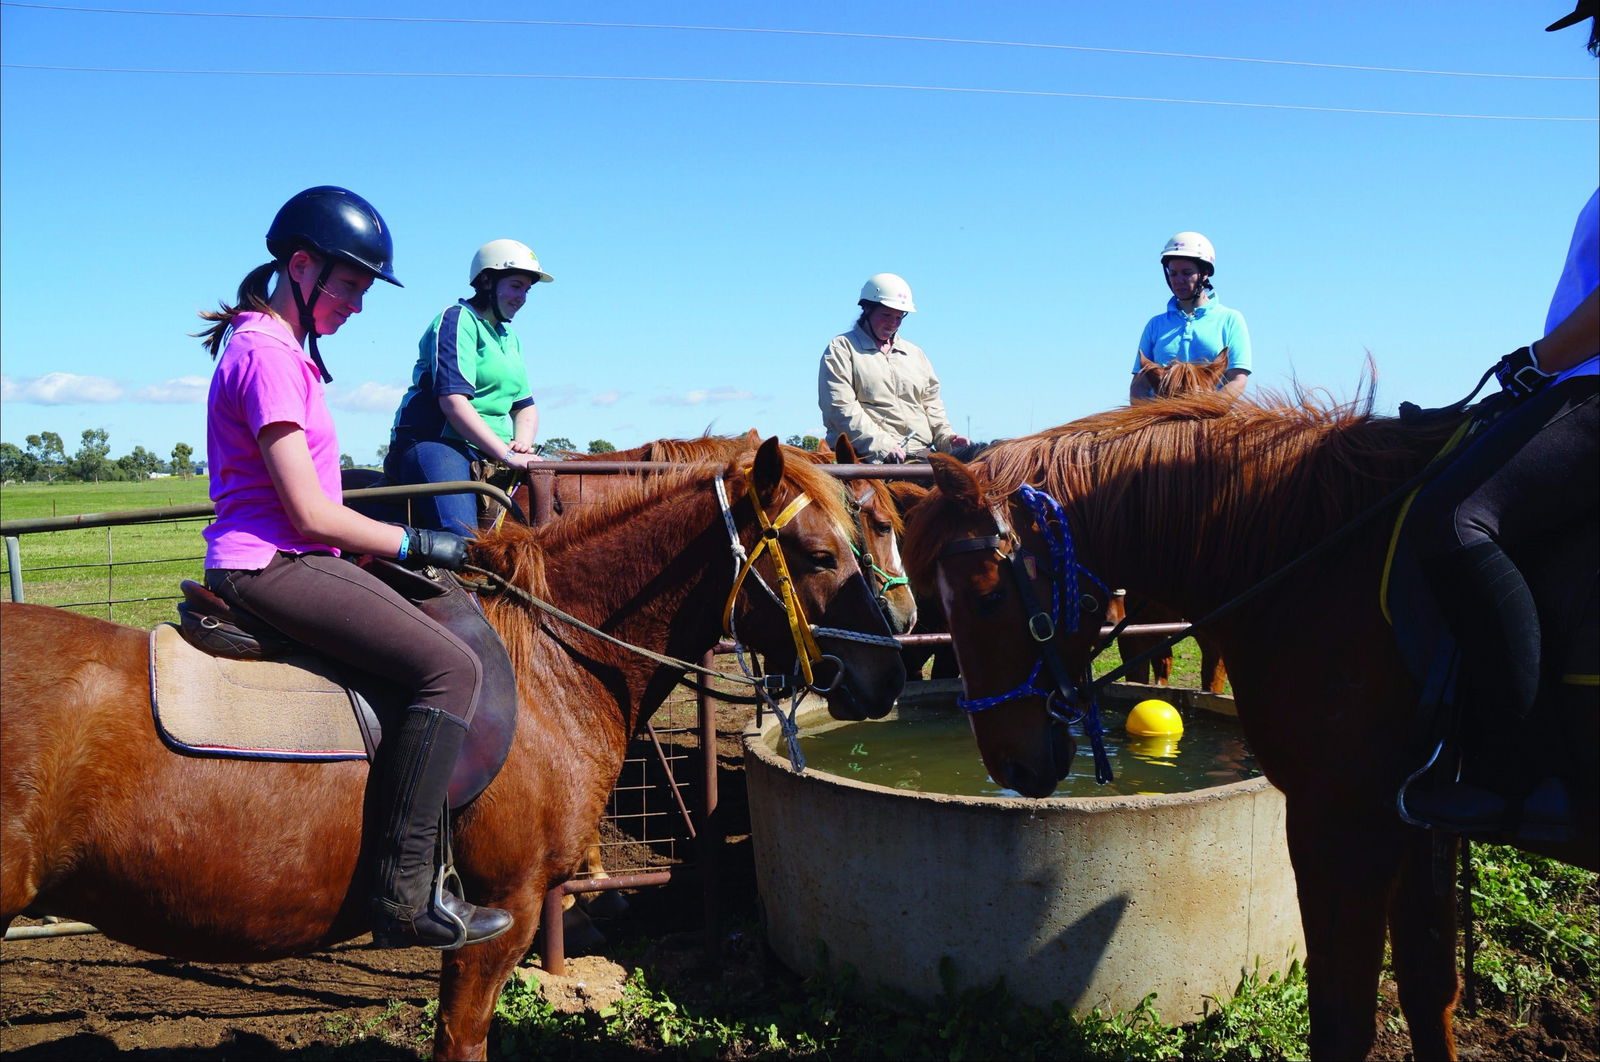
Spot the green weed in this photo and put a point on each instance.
(1538, 927)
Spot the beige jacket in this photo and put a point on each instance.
(881, 401)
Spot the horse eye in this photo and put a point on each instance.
(882, 527)
(823, 559)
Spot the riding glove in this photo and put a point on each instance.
(1519, 373)
(437, 549)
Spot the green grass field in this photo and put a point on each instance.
(135, 568)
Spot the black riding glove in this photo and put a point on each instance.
(436, 549)
(1519, 373)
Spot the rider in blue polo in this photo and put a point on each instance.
(1195, 326)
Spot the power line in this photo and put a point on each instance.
(791, 33)
(786, 83)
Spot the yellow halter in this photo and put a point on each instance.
(805, 644)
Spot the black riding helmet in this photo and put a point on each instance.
(340, 226)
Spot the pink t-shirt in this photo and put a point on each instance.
(261, 378)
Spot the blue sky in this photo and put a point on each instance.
(709, 229)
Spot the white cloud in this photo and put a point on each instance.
(61, 389)
(606, 398)
(181, 390)
(367, 398)
(557, 397)
(701, 396)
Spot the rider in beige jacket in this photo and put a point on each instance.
(879, 389)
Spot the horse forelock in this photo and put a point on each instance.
(804, 472)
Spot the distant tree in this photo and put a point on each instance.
(140, 463)
(600, 446)
(16, 464)
(383, 453)
(559, 442)
(805, 442)
(49, 455)
(181, 463)
(346, 461)
(88, 464)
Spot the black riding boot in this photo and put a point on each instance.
(1488, 607)
(410, 906)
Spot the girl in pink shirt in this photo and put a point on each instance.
(281, 526)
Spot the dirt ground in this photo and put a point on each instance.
(85, 997)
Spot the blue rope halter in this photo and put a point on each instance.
(1061, 700)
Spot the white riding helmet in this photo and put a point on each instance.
(1190, 245)
(507, 254)
(890, 290)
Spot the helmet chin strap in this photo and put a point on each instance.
(496, 315)
(307, 320)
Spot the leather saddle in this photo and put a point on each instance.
(227, 686)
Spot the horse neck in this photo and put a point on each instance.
(1196, 528)
(655, 580)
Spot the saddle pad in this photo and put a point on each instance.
(289, 709)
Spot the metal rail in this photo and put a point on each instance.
(11, 528)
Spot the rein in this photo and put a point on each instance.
(804, 633)
(566, 617)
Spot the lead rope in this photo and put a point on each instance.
(1058, 539)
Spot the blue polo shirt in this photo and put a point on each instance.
(1200, 336)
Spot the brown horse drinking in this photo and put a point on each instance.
(236, 861)
(1193, 501)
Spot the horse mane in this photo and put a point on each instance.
(521, 555)
(680, 451)
(1219, 478)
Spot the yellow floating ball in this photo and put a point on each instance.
(1154, 718)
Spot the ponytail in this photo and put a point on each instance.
(253, 295)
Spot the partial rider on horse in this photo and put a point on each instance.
(276, 548)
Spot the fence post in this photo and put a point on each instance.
(14, 567)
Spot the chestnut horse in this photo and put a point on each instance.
(238, 861)
(1172, 380)
(1194, 501)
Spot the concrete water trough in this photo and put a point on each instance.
(1087, 901)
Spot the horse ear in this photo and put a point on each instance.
(843, 452)
(1221, 360)
(958, 482)
(768, 468)
(754, 437)
(906, 495)
(1145, 364)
